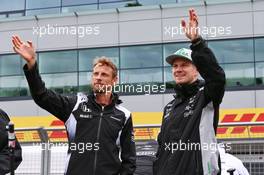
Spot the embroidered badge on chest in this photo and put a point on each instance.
(86, 112)
(85, 108)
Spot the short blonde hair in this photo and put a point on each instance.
(104, 61)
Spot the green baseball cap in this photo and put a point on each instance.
(181, 53)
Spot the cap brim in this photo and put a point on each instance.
(170, 59)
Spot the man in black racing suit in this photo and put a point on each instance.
(99, 129)
(187, 142)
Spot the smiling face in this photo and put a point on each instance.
(103, 78)
(184, 72)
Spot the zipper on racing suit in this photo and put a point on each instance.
(97, 138)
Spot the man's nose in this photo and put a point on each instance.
(178, 69)
(98, 77)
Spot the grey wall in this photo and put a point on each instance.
(138, 25)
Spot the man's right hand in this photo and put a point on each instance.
(25, 49)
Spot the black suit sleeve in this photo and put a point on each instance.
(128, 150)
(209, 69)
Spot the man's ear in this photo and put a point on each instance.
(115, 79)
(196, 71)
(197, 74)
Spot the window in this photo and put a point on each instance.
(260, 73)
(141, 56)
(109, 1)
(63, 83)
(78, 8)
(16, 14)
(7, 5)
(43, 11)
(70, 71)
(140, 81)
(86, 57)
(153, 2)
(259, 51)
(85, 81)
(10, 65)
(233, 51)
(168, 78)
(77, 2)
(13, 86)
(43, 7)
(60, 61)
(3, 15)
(241, 74)
(182, 1)
(31, 4)
(112, 5)
(141, 75)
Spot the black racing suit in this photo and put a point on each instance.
(4, 150)
(96, 134)
(187, 142)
